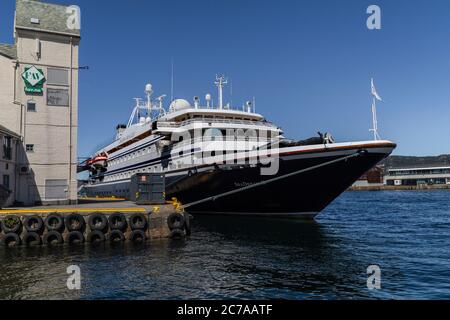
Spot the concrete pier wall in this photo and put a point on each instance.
(82, 224)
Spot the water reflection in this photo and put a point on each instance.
(299, 258)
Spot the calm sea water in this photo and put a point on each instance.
(406, 233)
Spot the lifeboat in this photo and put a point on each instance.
(98, 162)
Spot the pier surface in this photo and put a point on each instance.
(85, 206)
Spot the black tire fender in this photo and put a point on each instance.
(138, 236)
(118, 221)
(53, 238)
(75, 237)
(96, 237)
(187, 223)
(138, 221)
(10, 240)
(75, 222)
(176, 221)
(16, 228)
(177, 234)
(33, 224)
(54, 222)
(116, 236)
(32, 239)
(98, 222)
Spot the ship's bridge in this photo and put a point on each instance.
(195, 118)
(191, 113)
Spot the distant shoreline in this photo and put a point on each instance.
(401, 188)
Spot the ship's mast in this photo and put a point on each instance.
(149, 92)
(221, 81)
(375, 97)
(376, 136)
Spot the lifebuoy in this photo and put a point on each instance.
(53, 238)
(98, 222)
(117, 221)
(138, 221)
(31, 239)
(75, 237)
(54, 222)
(33, 224)
(176, 221)
(75, 222)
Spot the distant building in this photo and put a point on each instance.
(372, 178)
(39, 103)
(418, 176)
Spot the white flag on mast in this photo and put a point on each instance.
(374, 91)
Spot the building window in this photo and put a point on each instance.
(6, 181)
(30, 147)
(58, 97)
(7, 148)
(31, 106)
(59, 77)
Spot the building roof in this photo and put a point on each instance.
(8, 50)
(52, 17)
(4, 130)
(441, 167)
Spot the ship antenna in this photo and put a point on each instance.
(171, 83)
(231, 91)
(220, 82)
(149, 92)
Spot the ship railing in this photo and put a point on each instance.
(172, 124)
(194, 141)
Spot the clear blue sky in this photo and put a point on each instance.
(308, 63)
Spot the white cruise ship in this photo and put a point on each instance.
(225, 160)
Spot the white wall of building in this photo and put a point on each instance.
(51, 130)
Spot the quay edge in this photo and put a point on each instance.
(93, 223)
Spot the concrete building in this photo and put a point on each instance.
(8, 160)
(39, 102)
(418, 176)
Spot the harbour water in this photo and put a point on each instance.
(405, 233)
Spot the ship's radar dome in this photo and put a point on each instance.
(179, 104)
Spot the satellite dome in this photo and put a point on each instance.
(179, 104)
